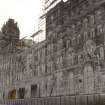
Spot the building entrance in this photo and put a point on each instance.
(33, 91)
(21, 93)
(12, 94)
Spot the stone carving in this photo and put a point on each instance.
(88, 79)
(90, 47)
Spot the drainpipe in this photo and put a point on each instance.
(39, 89)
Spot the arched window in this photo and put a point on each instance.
(99, 30)
(68, 43)
(74, 41)
(85, 23)
(64, 42)
(92, 34)
(101, 52)
(85, 36)
(78, 39)
(91, 20)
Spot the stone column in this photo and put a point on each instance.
(28, 91)
(17, 94)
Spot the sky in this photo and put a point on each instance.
(25, 12)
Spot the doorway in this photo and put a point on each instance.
(21, 93)
(33, 91)
(12, 94)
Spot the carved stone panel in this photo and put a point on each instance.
(88, 79)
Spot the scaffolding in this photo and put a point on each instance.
(48, 4)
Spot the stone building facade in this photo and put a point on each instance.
(69, 62)
(75, 47)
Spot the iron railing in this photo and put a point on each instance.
(93, 99)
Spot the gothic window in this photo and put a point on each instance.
(34, 72)
(52, 47)
(92, 33)
(79, 39)
(68, 30)
(55, 35)
(74, 41)
(66, 19)
(44, 51)
(48, 49)
(38, 55)
(49, 34)
(78, 27)
(38, 69)
(51, 67)
(58, 63)
(73, 29)
(17, 77)
(48, 67)
(101, 53)
(85, 36)
(69, 59)
(99, 30)
(33, 91)
(79, 58)
(72, 13)
(85, 23)
(61, 61)
(35, 57)
(43, 68)
(98, 15)
(64, 42)
(68, 43)
(75, 59)
(92, 20)
(60, 44)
